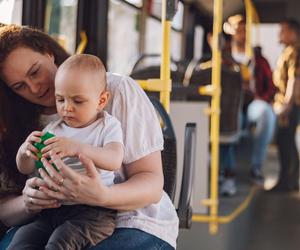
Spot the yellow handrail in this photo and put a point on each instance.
(215, 91)
(165, 74)
(215, 115)
(251, 17)
(228, 218)
(164, 84)
(82, 45)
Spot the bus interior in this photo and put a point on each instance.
(163, 45)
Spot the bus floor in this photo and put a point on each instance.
(270, 222)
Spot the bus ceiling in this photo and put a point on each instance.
(269, 11)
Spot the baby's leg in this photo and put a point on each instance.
(32, 236)
(87, 227)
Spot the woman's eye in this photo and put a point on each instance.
(60, 100)
(34, 72)
(18, 86)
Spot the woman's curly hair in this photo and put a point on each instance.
(19, 117)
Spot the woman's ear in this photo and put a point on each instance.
(103, 99)
(51, 56)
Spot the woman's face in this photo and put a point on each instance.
(286, 35)
(31, 74)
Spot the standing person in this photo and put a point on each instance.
(286, 105)
(230, 110)
(82, 128)
(147, 218)
(230, 114)
(259, 91)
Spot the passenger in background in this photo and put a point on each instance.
(228, 151)
(287, 105)
(259, 90)
(231, 84)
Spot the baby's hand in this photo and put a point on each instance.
(27, 147)
(61, 146)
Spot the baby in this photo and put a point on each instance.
(85, 128)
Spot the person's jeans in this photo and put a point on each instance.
(261, 114)
(132, 239)
(288, 152)
(4, 242)
(122, 238)
(227, 158)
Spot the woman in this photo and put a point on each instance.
(28, 63)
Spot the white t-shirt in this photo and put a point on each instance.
(142, 135)
(104, 130)
(242, 58)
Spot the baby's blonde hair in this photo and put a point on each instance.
(86, 63)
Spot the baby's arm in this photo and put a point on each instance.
(26, 155)
(109, 157)
(111, 154)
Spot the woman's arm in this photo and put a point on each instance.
(12, 210)
(289, 99)
(16, 209)
(143, 187)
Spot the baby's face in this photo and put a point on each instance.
(78, 97)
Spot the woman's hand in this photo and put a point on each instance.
(143, 187)
(283, 112)
(34, 199)
(69, 185)
(62, 146)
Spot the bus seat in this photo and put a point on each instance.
(153, 71)
(142, 71)
(184, 209)
(169, 153)
(231, 100)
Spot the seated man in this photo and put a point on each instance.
(259, 91)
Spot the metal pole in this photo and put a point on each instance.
(215, 116)
(165, 74)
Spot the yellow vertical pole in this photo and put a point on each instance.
(165, 74)
(251, 18)
(215, 114)
(249, 21)
(142, 27)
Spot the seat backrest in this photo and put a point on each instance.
(169, 156)
(231, 100)
(140, 71)
(184, 210)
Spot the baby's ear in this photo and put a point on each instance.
(103, 99)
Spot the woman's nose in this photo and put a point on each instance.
(35, 87)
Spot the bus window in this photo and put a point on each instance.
(11, 11)
(154, 34)
(124, 25)
(267, 38)
(122, 20)
(60, 22)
